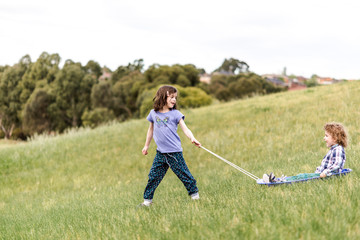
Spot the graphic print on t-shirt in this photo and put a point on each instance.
(160, 122)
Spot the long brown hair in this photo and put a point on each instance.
(337, 132)
(161, 97)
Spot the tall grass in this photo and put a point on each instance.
(87, 183)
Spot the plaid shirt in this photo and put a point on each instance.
(333, 162)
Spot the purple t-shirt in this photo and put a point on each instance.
(165, 130)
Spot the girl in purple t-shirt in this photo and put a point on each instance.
(164, 119)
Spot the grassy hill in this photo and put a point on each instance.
(86, 184)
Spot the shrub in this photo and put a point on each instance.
(97, 116)
(192, 97)
(226, 87)
(18, 133)
(183, 81)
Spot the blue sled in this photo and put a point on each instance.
(261, 181)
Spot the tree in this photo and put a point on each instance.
(184, 75)
(137, 65)
(93, 68)
(223, 94)
(234, 66)
(312, 82)
(72, 90)
(126, 92)
(192, 73)
(123, 71)
(44, 69)
(101, 95)
(37, 114)
(193, 97)
(245, 87)
(96, 117)
(3, 68)
(226, 87)
(10, 104)
(217, 85)
(183, 81)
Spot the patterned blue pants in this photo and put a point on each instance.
(161, 164)
(303, 176)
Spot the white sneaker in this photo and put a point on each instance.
(195, 196)
(146, 203)
(266, 178)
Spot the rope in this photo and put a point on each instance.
(233, 165)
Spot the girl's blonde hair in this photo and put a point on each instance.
(161, 97)
(337, 132)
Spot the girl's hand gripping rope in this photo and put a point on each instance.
(196, 142)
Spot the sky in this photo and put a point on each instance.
(306, 37)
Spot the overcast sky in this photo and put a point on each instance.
(307, 37)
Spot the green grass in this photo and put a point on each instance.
(86, 184)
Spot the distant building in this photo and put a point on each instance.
(205, 78)
(223, 72)
(324, 80)
(301, 79)
(105, 76)
(327, 80)
(295, 83)
(296, 86)
(276, 79)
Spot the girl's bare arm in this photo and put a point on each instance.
(188, 133)
(149, 136)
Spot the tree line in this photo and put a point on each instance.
(41, 97)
